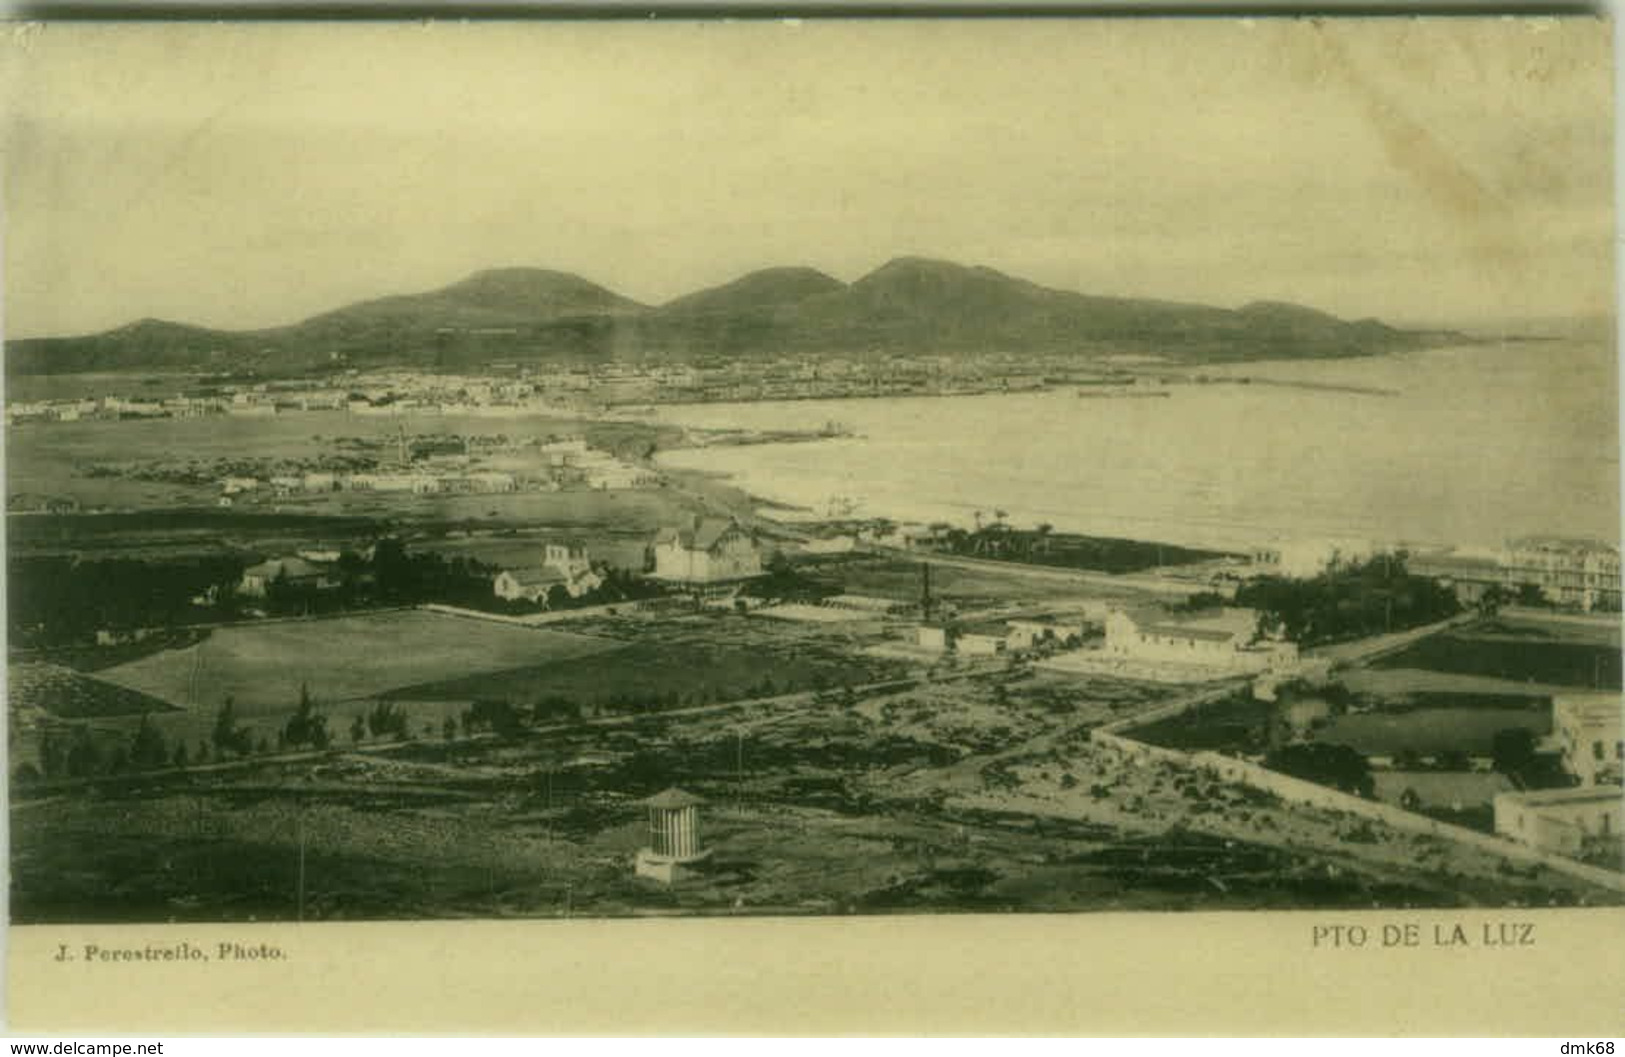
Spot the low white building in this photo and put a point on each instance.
(1304, 559)
(979, 644)
(527, 585)
(1225, 640)
(1561, 821)
(1587, 728)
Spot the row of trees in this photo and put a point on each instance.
(1350, 602)
(79, 753)
(53, 601)
(56, 601)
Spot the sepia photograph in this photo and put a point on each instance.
(809, 469)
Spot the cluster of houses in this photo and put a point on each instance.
(513, 390)
(1586, 733)
(565, 564)
(551, 466)
(309, 569)
(1153, 644)
(707, 556)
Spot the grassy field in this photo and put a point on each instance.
(1520, 652)
(676, 661)
(263, 666)
(965, 587)
(1430, 724)
(1431, 730)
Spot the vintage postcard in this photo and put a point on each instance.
(851, 525)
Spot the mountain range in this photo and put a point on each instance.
(908, 306)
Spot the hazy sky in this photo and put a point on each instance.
(253, 175)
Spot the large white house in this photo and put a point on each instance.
(1225, 640)
(711, 551)
(292, 572)
(1568, 572)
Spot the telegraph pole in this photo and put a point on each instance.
(301, 862)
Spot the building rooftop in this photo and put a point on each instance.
(1208, 625)
(1594, 708)
(1566, 544)
(536, 575)
(291, 568)
(1585, 794)
(702, 536)
(674, 798)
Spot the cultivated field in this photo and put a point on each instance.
(264, 665)
(983, 793)
(67, 694)
(675, 660)
(1519, 651)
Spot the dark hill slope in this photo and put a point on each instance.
(908, 306)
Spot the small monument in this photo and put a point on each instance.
(674, 836)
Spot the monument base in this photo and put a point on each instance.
(664, 868)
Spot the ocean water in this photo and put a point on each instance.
(1472, 445)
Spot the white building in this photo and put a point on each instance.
(979, 644)
(712, 551)
(1224, 640)
(1567, 572)
(570, 558)
(527, 585)
(1587, 730)
(1305, 559)
(1561, 821)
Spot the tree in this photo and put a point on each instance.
(1335, 765)
(147, 749)
(494, 714)
(83, 757)
(308, 726)
(1513, 750)
(228, 735)
(1494, 597)
(53, 755)
(1453, 760)
(387, 720)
